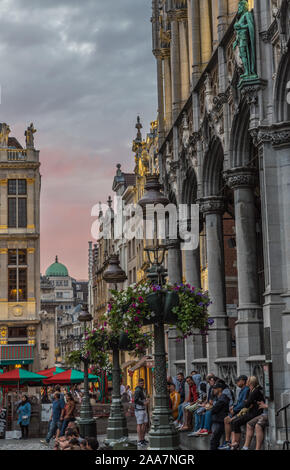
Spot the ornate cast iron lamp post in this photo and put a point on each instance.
(86, 420)
(162, 435)
(117, 423)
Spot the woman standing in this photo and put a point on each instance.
(68, 412)
(24, 414)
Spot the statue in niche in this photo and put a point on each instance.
(4, 135)
(245, 39)
(29, 137)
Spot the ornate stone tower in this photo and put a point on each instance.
(19, 250)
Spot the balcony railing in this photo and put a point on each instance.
(18, 155)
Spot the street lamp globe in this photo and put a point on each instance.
(113, 273)
(84, 315)
(155, 227)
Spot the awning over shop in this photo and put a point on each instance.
(128, 363)
(16, 354)
(145, 361)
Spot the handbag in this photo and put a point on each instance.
(242, 412)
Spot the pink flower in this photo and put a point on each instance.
(141, 300)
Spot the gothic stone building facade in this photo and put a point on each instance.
(224, 143)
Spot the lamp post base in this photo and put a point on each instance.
(117, 424)
(163, 435)
(88, 427)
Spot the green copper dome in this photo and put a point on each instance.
(57, 269)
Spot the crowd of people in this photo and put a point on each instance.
(47, 393)
(71, 440)
(211, 408)
(199, 407)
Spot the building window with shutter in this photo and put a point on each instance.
(17, 203)
(17, 275)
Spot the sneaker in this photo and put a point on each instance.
(44, 442)
(194, 434)
(203, 432)
(225, 446)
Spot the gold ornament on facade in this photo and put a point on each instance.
(17, 311)
(3, 331)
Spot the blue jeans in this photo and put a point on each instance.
(53, 427)
(64, 425)
(207, 420)
(198, 421)
(180, 411)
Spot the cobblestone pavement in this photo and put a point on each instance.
(35, 444)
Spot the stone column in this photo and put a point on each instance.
(184, 57)
(218, 345)
(174, 264)
(222, 18)
(190, 50)
(175, 65)
(206, 42)
(174, 277)
(249, 325)
(31, 275)
(195, 40)
(4, 204)
(160, 92)
(193, 347)
(168, 89)
(30, 204)
(192, 267)
(4, 275)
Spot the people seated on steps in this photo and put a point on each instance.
(250, 410)
(258, 425)
(202, 413)
(241, 382)
(191, 399)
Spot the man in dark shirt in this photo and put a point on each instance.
(55, 423)
(141, 402)
(219, 411)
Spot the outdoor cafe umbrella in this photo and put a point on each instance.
(20, 377)
(50, 372)
(71, 376)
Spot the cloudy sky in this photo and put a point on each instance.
(81, 71)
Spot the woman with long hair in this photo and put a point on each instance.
(24, 414)
(68, 412)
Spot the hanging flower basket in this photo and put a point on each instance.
(170, 302)
(144, 304)
(161, 303)
(125, 343)
(155, 302)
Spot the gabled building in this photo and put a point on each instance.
(19, 250)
